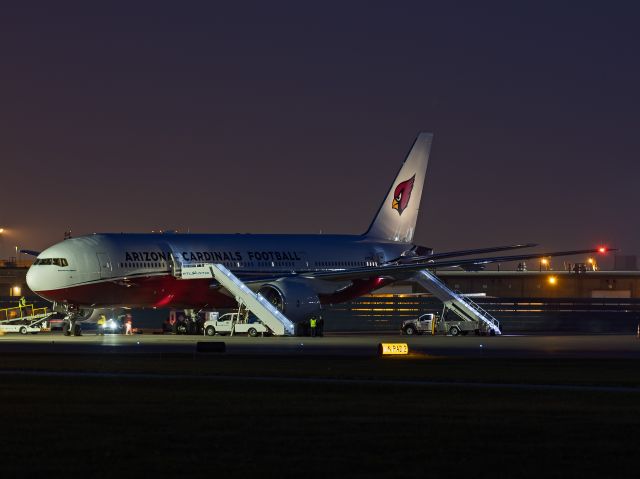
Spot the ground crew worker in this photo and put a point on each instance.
(22, 303)
(313, 322)
(128, 326)
(102, 321)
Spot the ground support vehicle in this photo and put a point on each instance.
(184, 322)
(15, 327)
(432, 324)
(233, 323)
(113, 326)
(24, 320)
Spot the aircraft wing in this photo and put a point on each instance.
(466, 252)
(405, 270)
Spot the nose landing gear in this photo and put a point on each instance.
(73, 314)
(70, 326)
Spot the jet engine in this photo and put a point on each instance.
(295, 298)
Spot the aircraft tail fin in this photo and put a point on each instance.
(397, 216)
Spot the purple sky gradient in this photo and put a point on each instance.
(290, 117)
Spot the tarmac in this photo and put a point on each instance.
(334, 345)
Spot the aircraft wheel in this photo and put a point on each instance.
(211, 331)
(23, 330)
(252, 332)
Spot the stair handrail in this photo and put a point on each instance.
(481, 310)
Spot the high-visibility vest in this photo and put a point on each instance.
(313, 322)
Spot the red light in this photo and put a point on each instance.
(602, 249)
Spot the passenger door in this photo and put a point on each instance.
(105, 265)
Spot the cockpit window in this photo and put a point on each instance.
(62, 262)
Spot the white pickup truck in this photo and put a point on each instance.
(229, 322)
(424, 325)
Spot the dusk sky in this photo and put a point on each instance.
(283, 117)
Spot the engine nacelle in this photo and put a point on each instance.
(294, 298)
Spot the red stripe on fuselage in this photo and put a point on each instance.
(158, 291)
(167, 291)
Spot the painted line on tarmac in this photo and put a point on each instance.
(319, 380)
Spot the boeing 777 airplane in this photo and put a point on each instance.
(297, 273)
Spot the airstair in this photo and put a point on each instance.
(464, 307)
(266, 312)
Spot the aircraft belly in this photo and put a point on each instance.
(149, 291)
(357, 288)
(166, 291)
(323, 287)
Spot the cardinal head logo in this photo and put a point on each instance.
(402, 194)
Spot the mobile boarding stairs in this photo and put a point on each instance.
(266, 312)
(464, 307)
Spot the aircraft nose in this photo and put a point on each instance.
(34, 280)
